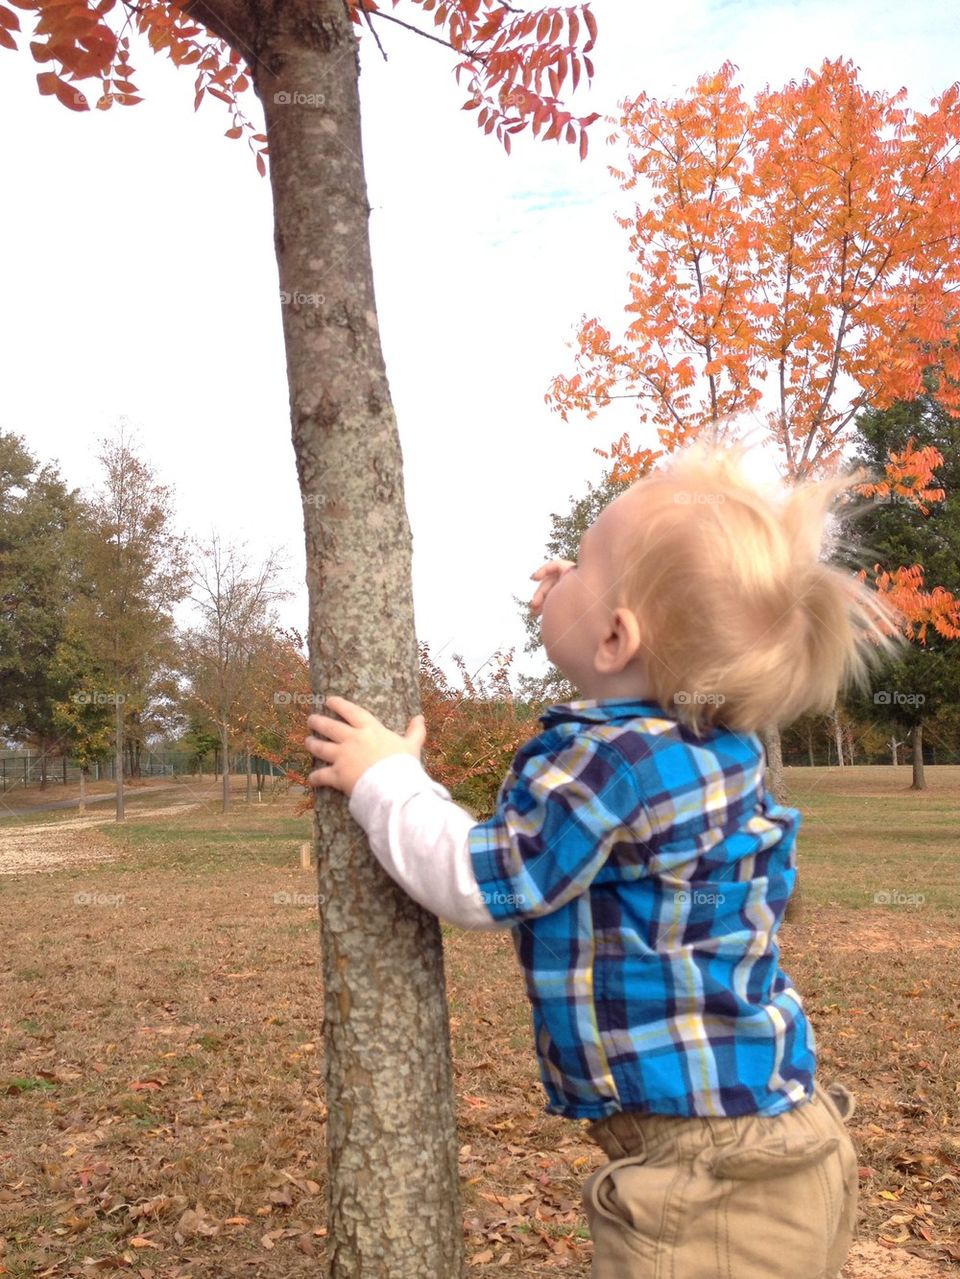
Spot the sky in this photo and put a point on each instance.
(140, 284)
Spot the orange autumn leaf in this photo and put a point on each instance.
(516, 63)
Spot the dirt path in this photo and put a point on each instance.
(872, 1261)
(106, 798)
(75, 841)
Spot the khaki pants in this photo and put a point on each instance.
(755, 1197)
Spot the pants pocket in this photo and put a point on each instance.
(774, 1157)
(631, 1209)
(793, 1186)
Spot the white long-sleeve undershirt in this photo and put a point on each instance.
(420, 837)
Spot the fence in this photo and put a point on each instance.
(23, 768)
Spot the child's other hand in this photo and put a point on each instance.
(355, 745)
(548, 575)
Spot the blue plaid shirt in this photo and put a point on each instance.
(645, 873)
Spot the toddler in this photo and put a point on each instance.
(644, 870)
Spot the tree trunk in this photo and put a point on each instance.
(225, 753)
(393, 1186)
(837, 736)
(916, 747)
(83, 790)
(777, 786)
(773, 778)
(43, 765)
(249, 779)
(893, 750)
(118, 754)
(810, 755)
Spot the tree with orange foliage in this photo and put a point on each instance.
(473, 733)
(916, 527)
(797, 259)
(810, 239)
(393, 1188)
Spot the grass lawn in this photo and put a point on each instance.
(161, 1107)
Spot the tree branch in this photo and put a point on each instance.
(427, 35)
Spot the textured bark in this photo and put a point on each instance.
(393, 1190)
(916, 747)
(774, 779)
(225, 752)
(118, 756)
(838, 737)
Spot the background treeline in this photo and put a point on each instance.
(94, 666)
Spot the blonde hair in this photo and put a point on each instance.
(743, 623)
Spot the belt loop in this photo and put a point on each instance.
(638, 1140)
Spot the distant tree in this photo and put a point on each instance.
(84, 718)
(37, 582)
(919, 528)
(234, 601)
(133, 573)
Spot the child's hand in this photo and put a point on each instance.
(356, 744)
(551, 572)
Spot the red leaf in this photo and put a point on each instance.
(583, 144)
(591, 22)
(218, 93)
(261, 167)
(9, 19)
(71, 97)
(6, 39)
(47, 81)
(235, 132)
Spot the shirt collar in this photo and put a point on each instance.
(593, 710)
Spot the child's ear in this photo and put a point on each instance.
(620, 644)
